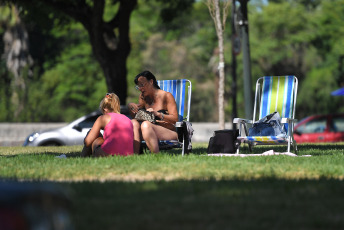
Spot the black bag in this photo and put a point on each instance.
(223, 141)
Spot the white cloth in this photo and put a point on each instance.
(267, 153)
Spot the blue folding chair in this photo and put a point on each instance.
(181, 91)
(273, 94)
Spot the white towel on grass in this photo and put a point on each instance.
(267, 153)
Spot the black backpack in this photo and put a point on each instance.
(223, 141)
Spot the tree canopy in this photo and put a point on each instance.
(303, 38)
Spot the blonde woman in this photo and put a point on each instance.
(118, 137)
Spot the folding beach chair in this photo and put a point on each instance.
(179, 89)
(273, 93)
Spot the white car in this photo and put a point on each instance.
(71, 134)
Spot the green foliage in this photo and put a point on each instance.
(4, 93)
(72, 83)
(279, 36)
(203, 102)
(286, 37)
(174, 14)
(181, 52)
(315, 93)
(294, 37)
(75, 85)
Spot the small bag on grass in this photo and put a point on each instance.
(223, 141)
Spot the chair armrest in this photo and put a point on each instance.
(240, 120)
(287, 120)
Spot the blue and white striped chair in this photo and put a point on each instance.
(273, 93)
(179, 89)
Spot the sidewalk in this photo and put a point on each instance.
(14, 134)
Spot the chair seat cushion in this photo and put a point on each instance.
(264, 139)
(170, 144)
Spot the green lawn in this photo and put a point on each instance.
(168, 191)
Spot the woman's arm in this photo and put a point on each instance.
(133, 108)
(94, 132)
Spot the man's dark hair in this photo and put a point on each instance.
(148, 75)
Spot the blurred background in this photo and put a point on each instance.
(52, 71)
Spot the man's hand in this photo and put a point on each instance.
(133, 107)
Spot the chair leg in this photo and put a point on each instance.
(246, 133)
(294, 145)
(183, 147)
(250, 147)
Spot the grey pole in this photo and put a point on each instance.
(234, 63)
(243, 23)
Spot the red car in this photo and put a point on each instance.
(320, 128)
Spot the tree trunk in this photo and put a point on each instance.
(219, 31)
(109, 39)
(111, 49)
(115, 72)
(214, 9)
(18, 62)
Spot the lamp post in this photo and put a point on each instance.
(243, 25)
(235, 52)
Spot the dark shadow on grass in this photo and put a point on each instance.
(68, 155)
(322, 147)
(8, 156)
(56, 154)
(303, 149)
(226, 204)
(197, 151)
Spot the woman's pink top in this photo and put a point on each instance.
(118, 136)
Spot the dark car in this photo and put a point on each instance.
(71, 134)
(320, 128)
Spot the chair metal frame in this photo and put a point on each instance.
(287, 119)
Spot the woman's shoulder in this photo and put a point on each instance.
(167, 96)
(113, 114)
(105, 117)
(165, 93)
(119, 116)
(103, 120)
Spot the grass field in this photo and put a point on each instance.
(168, 191)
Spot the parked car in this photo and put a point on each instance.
(320, 128)
(71, 134)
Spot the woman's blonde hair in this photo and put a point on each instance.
(111, 103)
